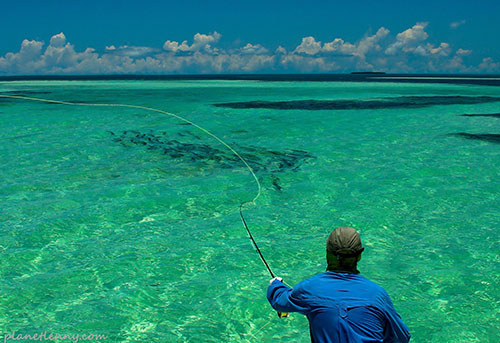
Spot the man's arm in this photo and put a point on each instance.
(395, 330)
(283, 299)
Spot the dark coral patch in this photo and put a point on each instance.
(368, 104)
(262, 160)
(491, 115)
(487, 137)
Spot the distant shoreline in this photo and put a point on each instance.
(368, 73)
(242, 76)
(481, 79)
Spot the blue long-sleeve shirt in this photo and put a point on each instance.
(341, 307)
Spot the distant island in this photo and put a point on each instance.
(368, 73)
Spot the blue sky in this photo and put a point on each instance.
(146, 37)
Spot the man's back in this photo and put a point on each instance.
(342, 307)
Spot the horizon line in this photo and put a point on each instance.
(353, 74)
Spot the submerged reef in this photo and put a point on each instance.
(362, 104)
(264, 161)
(491, 115)
(487, 137)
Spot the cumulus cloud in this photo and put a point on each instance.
(456, 24)
(456, 64)
(60, 57)
(280, 50)
(340, 46)
(361, 49)
(410, 51)
(202, 39)
(309, 46)
(132, 51)
(407, 40)
(489, 65)
(370, 43)
(353, 55)
(414, 34)
(307, 63)
(429, 50)
(175, 46)
(463, 52)
(25, 61)
(253, 49)
(58, 41)
(200, 42)
(30, 50)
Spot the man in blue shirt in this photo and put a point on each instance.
(340, 304)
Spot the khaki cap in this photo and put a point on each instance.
(344, 241)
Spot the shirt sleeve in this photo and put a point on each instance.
(395, 330)
(284, 299)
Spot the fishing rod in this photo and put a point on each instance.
(254, 242)
(280, 314)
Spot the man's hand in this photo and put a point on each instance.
(276, 278)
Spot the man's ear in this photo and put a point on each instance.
(359, 257)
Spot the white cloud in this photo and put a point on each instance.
(338, 45)
(361, 49)
(252, 49)
(59, 53)
(200, 42)
(25, 61)
(410, 51)
(202, 39)
(489, 65)
(456, 65)
(307, 63)
(414, 34)
(280, 50)
(456, 24)
(369, 43)
(407, 40)
(132, 51)
(30, 50)
(175, 46)
(309, 46)
(429, 50)
(58, 41)
(442, 50)
(60, 57)
(463, 52)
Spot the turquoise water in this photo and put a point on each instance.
(140, 239)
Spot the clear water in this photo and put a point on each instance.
(118, 239)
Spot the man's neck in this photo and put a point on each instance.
(339, 270)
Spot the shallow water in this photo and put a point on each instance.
(125, 222)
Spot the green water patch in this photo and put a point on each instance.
(362, 104)
(141, 246)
